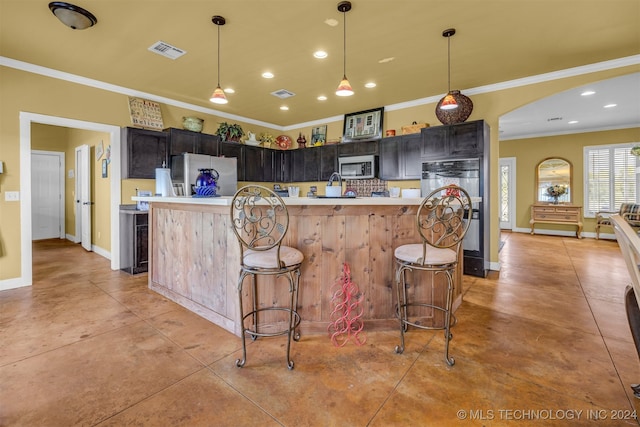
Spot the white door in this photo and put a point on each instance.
(507, 182)
(47, 195)
(83, 195)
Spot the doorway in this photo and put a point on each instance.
(507, 184)
(26, 119)
(47, 195)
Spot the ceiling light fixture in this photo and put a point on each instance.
(454, 107)
(267, 75)
(449, 102)
(610, 105)
(320, 54)
(587, 93)
(218, 96)
(72, 16)
(370, 85)
(344, 88)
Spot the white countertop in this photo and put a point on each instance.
(296, 201)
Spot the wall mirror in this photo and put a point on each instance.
(554, 181)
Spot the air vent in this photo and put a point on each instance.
(554, 119)
(283, 94)
(166, 50)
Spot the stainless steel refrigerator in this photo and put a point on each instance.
(185, 170)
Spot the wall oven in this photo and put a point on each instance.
(464, 173)
(358, 167)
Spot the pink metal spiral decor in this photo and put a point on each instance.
(346, 322)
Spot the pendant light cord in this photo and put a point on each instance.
(448, 64)
(218, 55)
(344, 44)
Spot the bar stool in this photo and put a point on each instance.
(442, 221)
(260, 221)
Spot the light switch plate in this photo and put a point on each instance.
(12, 196)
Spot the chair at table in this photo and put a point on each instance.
(260, 221)
(442, 220)
(630, 212)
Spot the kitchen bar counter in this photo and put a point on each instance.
(194, 256)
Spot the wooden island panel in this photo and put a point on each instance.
(195, 261)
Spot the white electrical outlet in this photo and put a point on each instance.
(12, 196)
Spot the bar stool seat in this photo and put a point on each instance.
(260, 221)
(442, 220)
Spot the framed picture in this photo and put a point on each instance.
(105, 170)
(363, 125)
(319, 133)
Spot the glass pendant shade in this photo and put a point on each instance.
(344, 89)
(448, 102)
(218, 96)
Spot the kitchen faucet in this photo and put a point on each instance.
(334, 175)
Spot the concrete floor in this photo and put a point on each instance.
(543, 342)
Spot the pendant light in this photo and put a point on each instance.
(72, 16)
(454, 107)
(344, 88)
(448, 102)
(218, 96)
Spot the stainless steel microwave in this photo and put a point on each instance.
(358, 167)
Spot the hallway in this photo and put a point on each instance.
(543, 342)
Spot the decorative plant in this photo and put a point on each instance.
(267, 139)
(556, 191)
(230, 132)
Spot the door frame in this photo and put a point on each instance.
(61, 214)
(26, 119)
(511, 196)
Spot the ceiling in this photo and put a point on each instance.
(396, 44)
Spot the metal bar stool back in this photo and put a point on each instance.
(260, 221)
(442, 220)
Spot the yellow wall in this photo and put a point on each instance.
(26, 92)
(529, 152)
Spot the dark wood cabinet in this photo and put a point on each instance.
(255, 160)
(400, 157)
(357, 148)
(389, 166)
(142, 152)
(186, 141)
(328, 161)
(312, 164)
(282, 165)
(454, 141)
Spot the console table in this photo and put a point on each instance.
(556, 214)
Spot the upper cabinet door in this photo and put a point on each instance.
(143, 152)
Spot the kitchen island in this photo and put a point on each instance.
(194, 257)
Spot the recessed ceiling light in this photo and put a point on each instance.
(267, 75)
(370, 85)
(383, 60)
(284, 108)
(610, 105)
(587, 93)
(322, 98)
(320, 54)
(229, 90)
(572, 122)
(331, 22)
